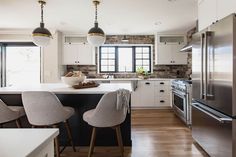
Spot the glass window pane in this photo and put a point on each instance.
(111, 50)
(146, 68)
(111, 62)
(22, 65)
(146, 62)
(139, 62)
(104, 50)
(139, 50)
(146, 50)
(138, 55)
(145, 55)
(111, 68)
(104, 55)
(111, 56)
(104, 68)
(126, 64)
(103, 62)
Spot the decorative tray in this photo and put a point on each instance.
(86, 85)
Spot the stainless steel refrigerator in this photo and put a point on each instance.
(214, 88)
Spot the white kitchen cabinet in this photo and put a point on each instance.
(169, 54)
(225, 7)
(78, 53)
(151, 94)
(210, 11)
(163, 93)
(143, 96)
(207, 13)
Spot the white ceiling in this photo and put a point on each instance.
(115, 16)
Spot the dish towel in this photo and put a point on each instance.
(123, 97)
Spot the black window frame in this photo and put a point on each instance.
(117, 58)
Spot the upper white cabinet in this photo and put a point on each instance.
(77, 52)
(209, 11)
(167, 50)
(206, 13)
(226, 7)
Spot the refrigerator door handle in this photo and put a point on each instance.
(208, 70)
(202, 66)
(220, 119)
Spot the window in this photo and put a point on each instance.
(20, 64)
(114, 59)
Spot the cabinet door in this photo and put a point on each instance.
(70, 54)
(148, 95)
(85, 54)
(136, 96)
(178, 58)
(163, 54)
(207, 13)
(225, 8)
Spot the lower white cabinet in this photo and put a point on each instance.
(151, 94)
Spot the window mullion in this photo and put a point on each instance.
(134, 59)
(116, 59)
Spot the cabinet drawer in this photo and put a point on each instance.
(162, 83)
(163, 101)
(162, 93)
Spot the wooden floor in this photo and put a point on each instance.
(155, 133)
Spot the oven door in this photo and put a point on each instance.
(179, 104)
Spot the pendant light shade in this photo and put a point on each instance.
(96, 36)
(41, 35)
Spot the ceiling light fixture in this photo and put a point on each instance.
(125, 39)
(96, 36)
(41, 35)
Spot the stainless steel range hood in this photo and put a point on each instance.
(187, 48)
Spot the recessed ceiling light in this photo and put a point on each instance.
(171, 0)
(157, 23)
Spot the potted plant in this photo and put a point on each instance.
(142, 73)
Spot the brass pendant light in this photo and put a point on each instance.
(96, 36)
(41, 35)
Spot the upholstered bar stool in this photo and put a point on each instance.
(105, 115)
(44, 109)
(10, 113)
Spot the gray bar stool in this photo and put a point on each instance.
(44, 109)
(10, 113)
(106, 115)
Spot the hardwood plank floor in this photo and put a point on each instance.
(155, 133)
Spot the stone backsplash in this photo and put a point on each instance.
(162, 71)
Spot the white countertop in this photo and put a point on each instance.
(60, 88)
(127, 79)
(24, 142)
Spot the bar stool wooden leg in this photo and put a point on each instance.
(56, 141)
(119, 139)
(18, 124)
(68, 130)
(92, 142)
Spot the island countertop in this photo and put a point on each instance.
(60, 88)
(26, 142)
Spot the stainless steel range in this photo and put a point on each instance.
(181, 99)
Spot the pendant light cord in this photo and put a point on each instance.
(96, 12)
(42, 12)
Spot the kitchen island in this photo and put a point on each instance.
(81, 100)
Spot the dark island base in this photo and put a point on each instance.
(81, 131)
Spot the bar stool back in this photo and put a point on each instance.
(104, 115)
(10, 113)
(44, 109)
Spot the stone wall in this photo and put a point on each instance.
(164, 71)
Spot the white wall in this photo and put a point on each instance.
(51, 69)
(51, 55)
